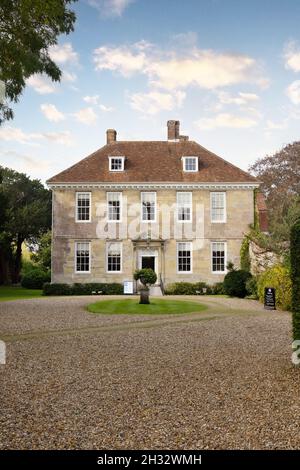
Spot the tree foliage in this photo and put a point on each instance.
(42, 256)
(280, 177)
(27, 29)
(27, 214)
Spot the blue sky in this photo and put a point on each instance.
(229, 70)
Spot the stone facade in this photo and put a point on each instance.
(139, 238)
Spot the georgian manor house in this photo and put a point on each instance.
(169, 205)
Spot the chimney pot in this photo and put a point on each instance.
(111, 136)
(173, 130)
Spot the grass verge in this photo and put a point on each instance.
(15, 293)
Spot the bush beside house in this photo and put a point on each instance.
(279, 278)
(235, 283)
(197, 288)
(82, 289)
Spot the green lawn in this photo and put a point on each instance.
(157, 306)
(14, 293)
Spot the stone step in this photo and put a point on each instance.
(156, 291)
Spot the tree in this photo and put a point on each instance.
(27, 30)
(42, 256)
(280, 177)
(147, 277)
(28, 215)
(295, 277)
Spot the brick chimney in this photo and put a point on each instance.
(173, 130)
(111, 136)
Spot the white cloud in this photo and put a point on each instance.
(51, 112)
(293, 92)
(8, 133)
(25, 163)
(86, 116)
(68, 76)
(272, 126)
(110, 8)
(95, 101)
(155, 101)
(225, 120)
(64, 137)
(241, 99)
(125, 60)
(91, 99)
(106, 109)
(63, 54)
(169, 70)
(14, 134)
(292, 56)
(41, 84)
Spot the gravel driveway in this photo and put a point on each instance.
(220, 379)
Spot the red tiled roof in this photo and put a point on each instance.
(152, 162)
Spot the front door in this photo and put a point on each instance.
(148, 262)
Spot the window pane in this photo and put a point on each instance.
(114, 257)
(148, 206)
(218, 256)
(83, 206)
(184, 206)
(114, 206)
(116, 164)
(217, 207)
(190, 163)
(82, 256)
(184, 257)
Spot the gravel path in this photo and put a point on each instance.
(220, 379)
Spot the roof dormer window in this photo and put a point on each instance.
(190, 164)
(116, 163)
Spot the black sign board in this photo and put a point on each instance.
(270, 300)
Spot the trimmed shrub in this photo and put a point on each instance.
(278, 277)
(251, 287)
(56, 289)
(295, 278)
(235, 283)
(147, 276)
(218, 289)
(188, 288)
(83, 289)
(35, 278)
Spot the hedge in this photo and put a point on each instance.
(278, 277)
(197, 288)
(295, 278)
(82, 289)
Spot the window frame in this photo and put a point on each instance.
(117, 221)
(191, 257)
(155, 207)
(225, 256)
(117, 157)
(76, 207)
(184, 160)
(90, 257)
(121, 257)
(191, 207)
(224, 220)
